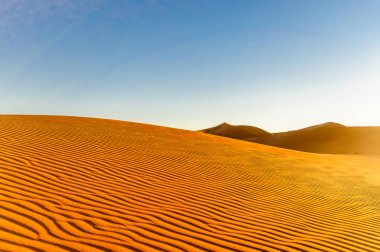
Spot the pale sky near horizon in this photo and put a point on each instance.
(275, 64)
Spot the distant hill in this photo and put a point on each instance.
(329, 138)
(237, 131)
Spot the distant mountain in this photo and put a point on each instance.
(237, 131)
(329, 138)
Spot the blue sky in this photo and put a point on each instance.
(279, 65)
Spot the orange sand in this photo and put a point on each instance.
(83, 184)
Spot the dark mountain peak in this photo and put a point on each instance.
(224, 124)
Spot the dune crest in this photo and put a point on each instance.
(236, 131)
(85, 184)
(327, 138)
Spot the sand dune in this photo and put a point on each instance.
(327, 138)
(236, 131)
(83, 184)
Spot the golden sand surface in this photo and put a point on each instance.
(85, 184)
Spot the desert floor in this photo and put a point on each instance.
(84, 184)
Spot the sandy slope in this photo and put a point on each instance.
(77, 184)
(236, 131)
(327, 138)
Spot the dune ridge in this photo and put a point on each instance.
(331, 138)
(326, 138)
(85, 184)
(236, 131)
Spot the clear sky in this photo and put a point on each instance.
(275, 64)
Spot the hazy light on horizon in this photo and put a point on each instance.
(279, 65)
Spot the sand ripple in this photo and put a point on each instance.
(83, 184)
